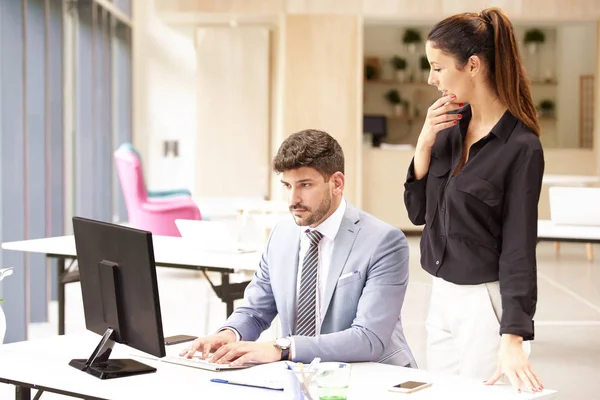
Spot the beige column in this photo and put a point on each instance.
(321, 84)
(232, 139)
(596, 145)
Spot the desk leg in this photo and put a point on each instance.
(225, 287)
(60, 270)
(22, 393)
(228, 292)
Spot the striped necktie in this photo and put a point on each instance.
(307, 298)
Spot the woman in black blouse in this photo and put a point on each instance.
(474, 183)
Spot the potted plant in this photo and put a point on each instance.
(424, 64)
(3, 274)
(393, 97)
(533, 38)
(372, 68)
(399, 64)
(370, 72)
(546, 108)
(411, 38)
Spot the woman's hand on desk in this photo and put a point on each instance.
(514, 364)
(240, 353)
(209, 344)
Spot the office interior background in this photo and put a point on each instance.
(206, 90)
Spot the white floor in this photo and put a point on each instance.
(565, 354)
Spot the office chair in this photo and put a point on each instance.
(157, 214)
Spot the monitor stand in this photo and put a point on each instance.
(101, 366)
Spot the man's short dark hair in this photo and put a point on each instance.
(310, 148)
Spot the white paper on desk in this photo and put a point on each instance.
(278, 373)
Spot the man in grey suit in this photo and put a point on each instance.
(336, 277)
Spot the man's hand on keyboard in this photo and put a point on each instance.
(209, 344)
(239, 353)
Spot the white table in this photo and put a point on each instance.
(549, 231)
(570, 180)
(169, 251)
(43, 364)
(216, 208)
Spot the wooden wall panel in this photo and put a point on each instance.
(322, 83)
(233, 97)
(323, 6)
(418, 10)
(220, 6)
(530, 10)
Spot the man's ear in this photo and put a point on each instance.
(339, 181)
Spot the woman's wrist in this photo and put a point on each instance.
(511, 338)
(422, 148)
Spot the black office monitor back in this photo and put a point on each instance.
(119, 285)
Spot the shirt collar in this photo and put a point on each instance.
(330, 227)
(502, 129)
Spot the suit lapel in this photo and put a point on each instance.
(344, 240)
(290, 262)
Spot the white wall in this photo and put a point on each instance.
(165, 92)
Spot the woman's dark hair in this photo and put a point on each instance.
(490, 35)
(310, 148)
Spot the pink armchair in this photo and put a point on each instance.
(156, 216)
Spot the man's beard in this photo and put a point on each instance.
(316, 216)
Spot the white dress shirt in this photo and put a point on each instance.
(329, 229)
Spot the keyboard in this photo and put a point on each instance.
(197, 362)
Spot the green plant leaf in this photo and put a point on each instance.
(411, 36)
(424, 63)
(393, 96)
(534, 35)
(399, 62)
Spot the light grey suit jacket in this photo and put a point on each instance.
(362, 310)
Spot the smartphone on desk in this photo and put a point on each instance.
(409, 386)
(179, 339)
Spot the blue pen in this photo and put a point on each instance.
(238, 383)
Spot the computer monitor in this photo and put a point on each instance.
(376, 125)
(120, 295)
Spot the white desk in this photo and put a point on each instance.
(43, 364)
(570, 180)
(172, 252)
(216, 208)
(549, 231)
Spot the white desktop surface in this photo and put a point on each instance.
(167, 250)
(45, 363)
(569, 180)
(548, 229)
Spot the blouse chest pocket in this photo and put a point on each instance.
(481, 189)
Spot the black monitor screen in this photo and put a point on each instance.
(375, 125)
(119, 285)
